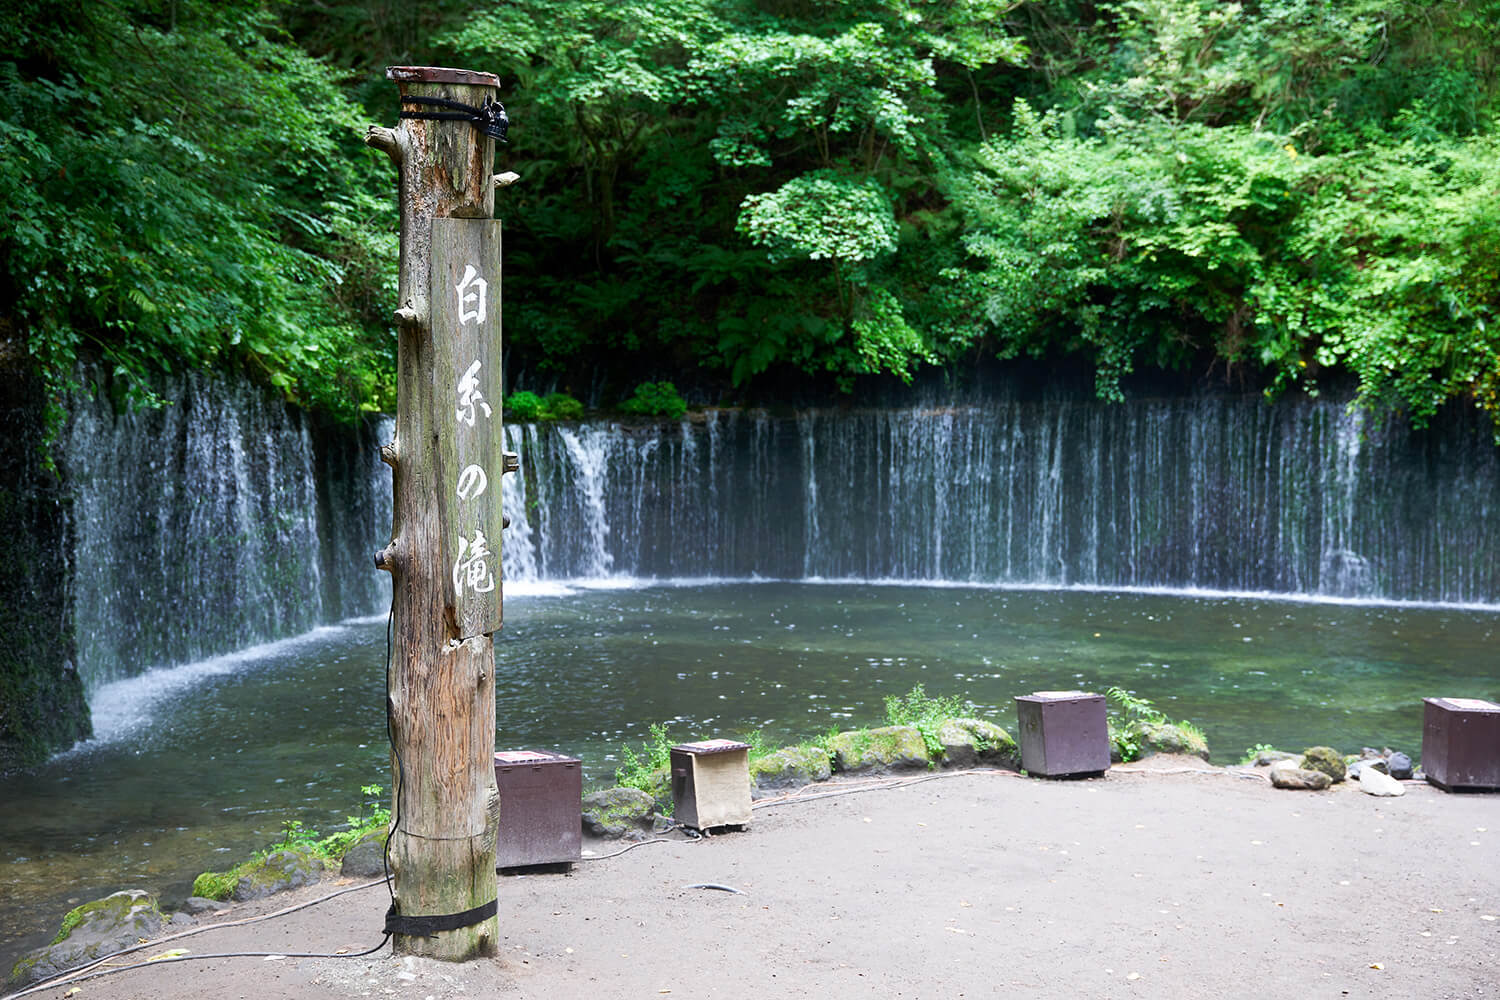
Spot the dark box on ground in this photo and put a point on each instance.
(541, 802)
(711, 784)
(1063, 734)
(1461, 744)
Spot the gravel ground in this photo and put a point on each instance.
(1167, 879)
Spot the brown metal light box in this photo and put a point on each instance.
(1063, 734)
(1461, 743)
(711, 784)
(541, 799)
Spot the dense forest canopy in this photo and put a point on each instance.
(740, 194)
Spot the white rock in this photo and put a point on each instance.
(1372, 782)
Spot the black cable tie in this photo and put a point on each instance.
(395, 923)
(489, 118)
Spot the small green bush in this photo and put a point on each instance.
(656, 399)
(641, 770)
(523, 405)
(561, 406)
(925, 714)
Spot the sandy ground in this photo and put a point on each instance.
(1166, 880)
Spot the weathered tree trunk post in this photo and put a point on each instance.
(444, 556)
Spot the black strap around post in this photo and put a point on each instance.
(395, 923)
(489, 118)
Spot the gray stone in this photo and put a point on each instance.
(365, 859)
(278, 872)
(790, 767)
(890, 748)
(618, 812)
(1367, 763)
(1285, 774)
(198, 905)
(967, 742)
(1268, 757)
(1374, 782)
(1398, 765)
(90, 932)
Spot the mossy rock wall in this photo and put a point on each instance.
(42, 706)
(790, 767)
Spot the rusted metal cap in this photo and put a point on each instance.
(440, 74)
(711, 746)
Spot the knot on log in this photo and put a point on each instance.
(382, 138)
(388, 454)
(506, 179)
(406, 316)
(386, 558)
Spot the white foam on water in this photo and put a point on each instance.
(122, 708)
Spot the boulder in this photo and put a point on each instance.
(1398, 765)
(967, 742)
(277, 872)
(1286, 774)
(91, 932)
(789, 767)
(366, 859)
(1167, 737)
(1325, 759)
(1373, 782)
(195, 906)
(1266, 758)
(618, 812)
(890, 748)
(1363, 764)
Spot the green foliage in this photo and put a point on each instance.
(642, 770)
(926, 714)
(745, 192)
(561, 406)
(186, 190)
(656, 399)
(1127, 708)
(523, 406)
(528, 406)
(215, 885)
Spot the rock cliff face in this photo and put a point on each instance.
(42, 707)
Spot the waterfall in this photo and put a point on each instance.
(1303, 497)
(229, 518)
(221, 519)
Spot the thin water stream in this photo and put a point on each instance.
(197, 766)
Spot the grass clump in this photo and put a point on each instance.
(1134, 722)
(923, 713)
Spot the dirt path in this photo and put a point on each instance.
(1163, 882)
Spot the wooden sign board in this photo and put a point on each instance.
(465, 303)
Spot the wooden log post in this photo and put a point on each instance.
(444, 555)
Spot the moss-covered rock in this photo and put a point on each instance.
(1325, 759)
(1167, 737)
(967, 742)
(366, 858)
(890, 748)
(89, 933)
(276, 872)
(618, 812)
(1286, 774)
(790, 767)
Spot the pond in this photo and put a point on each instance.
(195, 767)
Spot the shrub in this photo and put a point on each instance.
(523, 405)
(656, 399)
